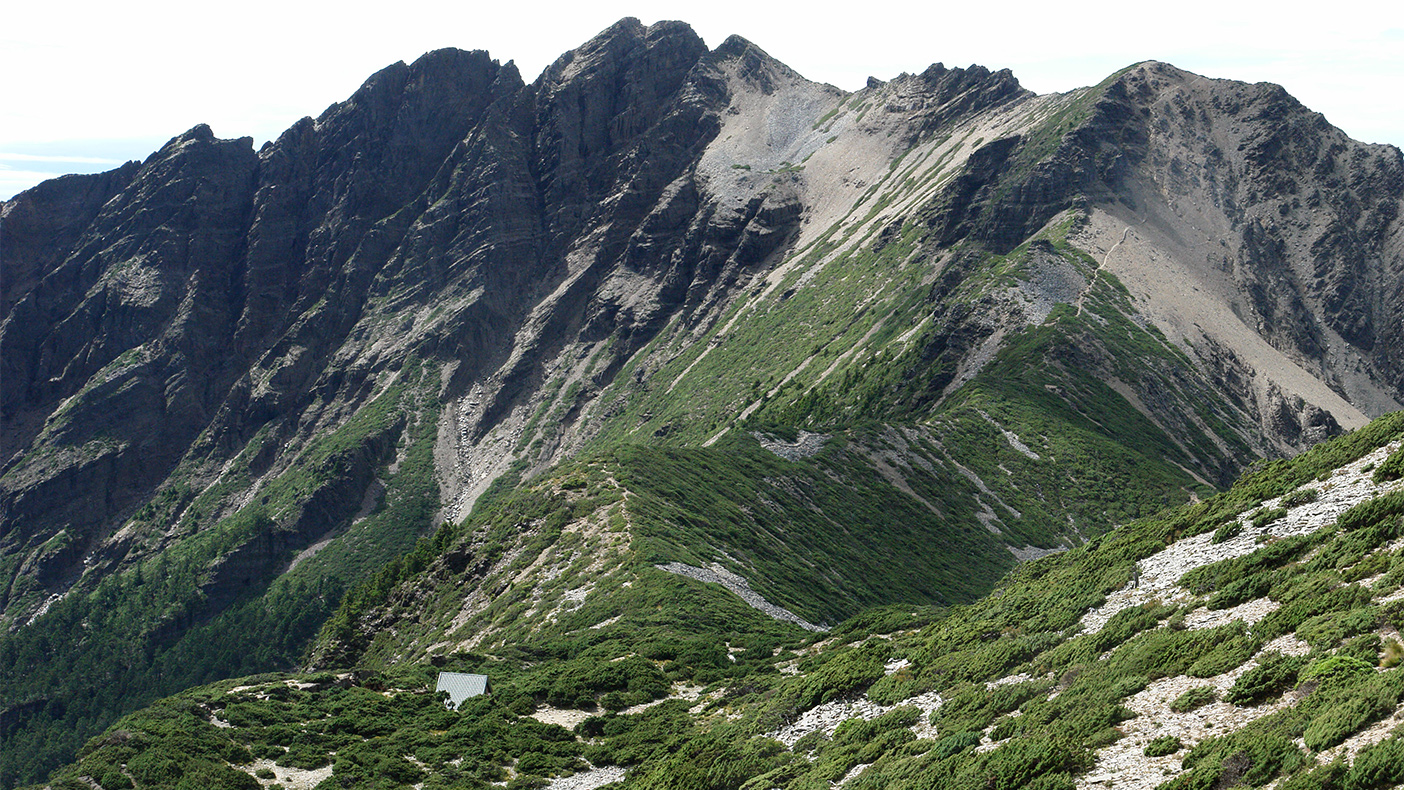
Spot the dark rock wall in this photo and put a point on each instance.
(214, 291)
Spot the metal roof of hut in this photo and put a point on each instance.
(461, 686)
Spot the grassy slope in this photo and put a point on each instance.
(1028, 625)
(826, 537)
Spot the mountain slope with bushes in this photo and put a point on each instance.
(1247, 639)
(915, 333)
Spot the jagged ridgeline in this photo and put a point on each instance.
(665, 307)
(1249, 638)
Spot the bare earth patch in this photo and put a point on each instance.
(563, 716)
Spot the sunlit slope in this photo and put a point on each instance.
(1247, 638)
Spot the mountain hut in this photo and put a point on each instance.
(461, 685)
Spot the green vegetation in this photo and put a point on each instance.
(944, 446)
(1273, 675)
(1392, 468)
(373, 735)
(780, 519)
(971, 708)
(1264, 516)
(377, 726)
(826, 117)
(1044, 140)
(1017, 628)
(802, 533)
(1162, 746)
(1228, 531)
(1377, 767)
(901, 522)
(1301, 496)
(150, 630)
(1193, 699)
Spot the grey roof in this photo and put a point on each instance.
(461, 686)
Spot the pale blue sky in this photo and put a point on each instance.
(90, 84)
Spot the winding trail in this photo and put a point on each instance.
(1083, 296)
(1119, 242)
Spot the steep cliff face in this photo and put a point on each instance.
(240, 359)
(1283, 230)
(117, 348)
(1278, 217)
(225, 292)
(260, 375)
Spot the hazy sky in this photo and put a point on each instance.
(89, 84)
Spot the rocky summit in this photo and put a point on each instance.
(677, 359)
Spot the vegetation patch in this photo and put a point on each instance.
(1193, 699)
(1162, 746)
(1274, 674)
(1392, 468)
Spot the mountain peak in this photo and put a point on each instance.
(755, 64)
(615, 42)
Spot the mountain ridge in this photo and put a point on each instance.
(258, 376)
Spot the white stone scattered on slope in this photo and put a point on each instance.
(588, 780)
(805, 446)
(291, 778)
(1287, 645)
(1011, 437)
(564, 717)
(1125, 765)
(851, 775)
(1008, 680)
(1248, 613)
(716, 574)
(45, 606)
(927, 703)
(680, 691)
(1394, 596)
(987, 741)
(827, 716)
(607, 622)
(1160, 573)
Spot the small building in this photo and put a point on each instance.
(461, 685)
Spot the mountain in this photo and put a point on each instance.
(1252, 638)
(845, 350)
